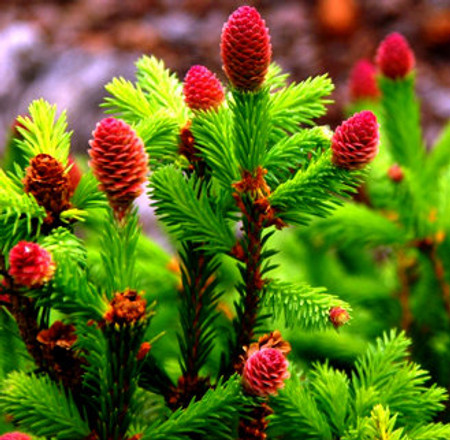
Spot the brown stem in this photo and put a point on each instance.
(253, 282)
(196, 279)
(253, 427)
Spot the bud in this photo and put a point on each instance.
(47, 180)
(355, 142)
(143, 350)
(246, 49)
(74, 175)
(126, 308)
(394, 57)
(395, 173)
(15, 436)
(265, 372)
(119, 162)
(339, 316)
(362, 84)
(30, 265)
(202, 90)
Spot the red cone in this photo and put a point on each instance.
(394, 56)
(246, 49)
(119, 162)
(30, 265)
(265, 372)
(362, 82)
(202, 90)
(355, 142)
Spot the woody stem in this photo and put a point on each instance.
(252, 283)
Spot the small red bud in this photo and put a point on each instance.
(339, 316)
(362, 84)
(394, 56)
(355, 142)
(395, 173)
(202, 90)
(246, 49)
(143, 350)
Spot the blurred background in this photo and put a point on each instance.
(66, 50)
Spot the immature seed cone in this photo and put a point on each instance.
(362, 84)
(395, 173)
(202, 90)
(126, 308)
(15, 436)
(339, 316)
(265, 372)
(355, 142)
(119, 162)
(245, 48)
(394, 56)
(47, 180)
(30, 265)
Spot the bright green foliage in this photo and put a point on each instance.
(119, 253)
(223, 181)
(313, 192)
(87, 195)
(211, 416)
(387, 251)
(42, 406)
(159, 133)
(71, 290)
(213, 132)
(20, 215)
(404, 133)
(386, 398)
(251, 127)
(42, 132)
(300, 104)
(188, 216)
(355, 223)
(156, 89)
(301, 306)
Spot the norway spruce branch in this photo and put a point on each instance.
(162, 87)
(43, 132)
(212, 132)
(315, 191)
(42, 406)
(119, 243)
(293, 152)
(300, 103)
(212, 416)
(402, 121)
(301, 305)
(189, 217)
(251, 128)
(160, 135)
(296, 414)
